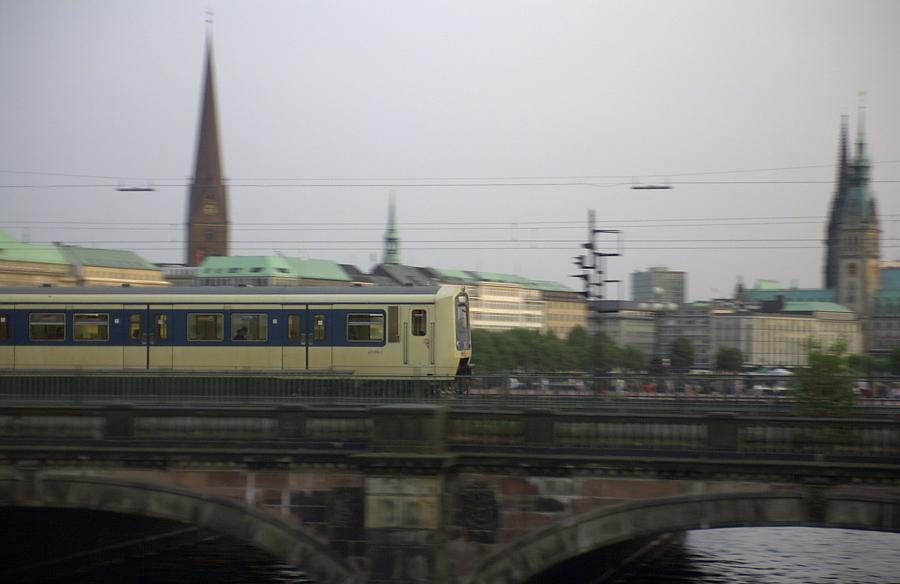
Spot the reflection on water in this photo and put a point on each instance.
(775, 555)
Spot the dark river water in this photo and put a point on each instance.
(747, 555)
(775, 555)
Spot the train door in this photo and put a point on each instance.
(159, 337)
(135, 354)
(307, 345)
(418, 342)
(319, 336)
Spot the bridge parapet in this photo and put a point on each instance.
(423, 493)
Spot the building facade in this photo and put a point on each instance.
(780, 336)
(773, 333)
(628, 323)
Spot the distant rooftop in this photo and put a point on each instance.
(270, 267)
(814, 307)
(771, 289)
(16, 251)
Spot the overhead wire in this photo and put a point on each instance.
(451, 178)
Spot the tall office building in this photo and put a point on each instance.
(659, 284)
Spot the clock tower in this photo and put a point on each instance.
(207, 213)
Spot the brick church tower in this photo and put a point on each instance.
(207, 213)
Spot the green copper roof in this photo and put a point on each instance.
(106, 258)
(767, 285)
(12, 250)
(814, 307)
(454, 274)
(792, 294)
(547, 286)
(270, 266)
(502, 278)
(15, 251)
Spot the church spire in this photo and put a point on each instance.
(837, 203)
(391, 237)
(208, 200)
(861, 130)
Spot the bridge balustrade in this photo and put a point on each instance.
(438, 429)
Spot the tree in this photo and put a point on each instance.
(867, 365)
(681, 353)
(729, 359)
(632, 359)
(824, 386)
(894, 361)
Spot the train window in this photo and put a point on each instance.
(249, 327)
(91, 327)
(365, 327)
(4, 327)
(294, 327)
(162, 327)
(43, 326)
(205, 327)
(319, 331)
(393, 324)
(419, 326)
(134, 327)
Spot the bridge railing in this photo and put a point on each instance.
(440, 430)
(698, 392)
(715, 431)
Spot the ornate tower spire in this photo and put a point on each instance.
(861, 129)
(207, 226)
(859, 238)
(837, 203)
(391, 238)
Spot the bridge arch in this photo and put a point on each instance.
(238, 520)
(539, 551)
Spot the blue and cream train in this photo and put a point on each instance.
(383, 332)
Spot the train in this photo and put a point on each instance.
(406, 332)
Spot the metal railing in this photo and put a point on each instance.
(613, 392)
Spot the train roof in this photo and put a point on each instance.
(220, 293)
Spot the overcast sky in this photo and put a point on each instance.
(498, 124)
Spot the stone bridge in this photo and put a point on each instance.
(405, 494)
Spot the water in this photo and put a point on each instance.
(178, 553)
(776, 555)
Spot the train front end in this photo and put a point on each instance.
(463, 336)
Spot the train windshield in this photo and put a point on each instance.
(463, 334)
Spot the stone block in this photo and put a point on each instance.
(409, 428)
(518, 486)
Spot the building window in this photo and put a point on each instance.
(205, 327)
(419, 324)
(249, 327)
(43, 326)
(365, 327)
(91, 327)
